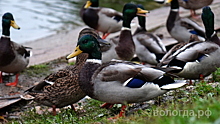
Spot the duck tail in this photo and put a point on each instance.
(175, 85)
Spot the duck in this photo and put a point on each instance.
(123, 82)
(196, 59)
(193, 5)
(181, 28)
(105, 20)
(122, 47)
(149, 47)
(14, 57)
(61, 88)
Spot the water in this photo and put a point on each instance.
(39, 18)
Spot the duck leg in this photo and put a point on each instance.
(105, 35)
(201, 77)
(121, 114)
(193, 14)
(13, 83)
(1, 81)
(73, 108)
(107, 105)
(54, 110)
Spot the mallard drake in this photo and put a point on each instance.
(196, 59)
(105, 20)
(62, 88)
(123, 47)
(194, 5)
(122, 82)
(182, 28)
(13, 57)
(112, 81)
(149, 48)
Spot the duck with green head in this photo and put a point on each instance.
(123, 47)
(181, 28)
(121, 82)
(149, 48)
(196, 59)
(105, 20)
(13, 57)
(62, 88)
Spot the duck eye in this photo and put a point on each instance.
(85, 41)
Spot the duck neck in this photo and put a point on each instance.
(96, 54)
(81, 58)
(173, 15)
(209, 27)
(127, 22)
(6, 31)
(142, 23)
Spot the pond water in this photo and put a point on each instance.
(39, 18)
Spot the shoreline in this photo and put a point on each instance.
(52, 47)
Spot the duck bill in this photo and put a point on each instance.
(14, 25)
(103, 42)
(167, 1)
(141, 12)
(88, 4)
(76, 52)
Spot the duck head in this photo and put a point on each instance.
(129, 12)
(7, 22)
(91, 3)
(88, 42)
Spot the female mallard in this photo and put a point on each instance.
(121, 82)
(196, 59)
(13, 57)
(123, 47)
(62, 88)
(179, 28)
(105, 20)
(148, 47)
(194, 5)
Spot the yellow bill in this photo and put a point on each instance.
(168, 1)
(76, 52)
(88, 4)
(14, 25)
(142, 12)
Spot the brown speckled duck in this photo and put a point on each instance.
(62, 88)
(105, 20)
(13, 57)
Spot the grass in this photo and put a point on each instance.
(118, 4)
(198, 104)
(37, 70)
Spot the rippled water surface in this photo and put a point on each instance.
(38, 18)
